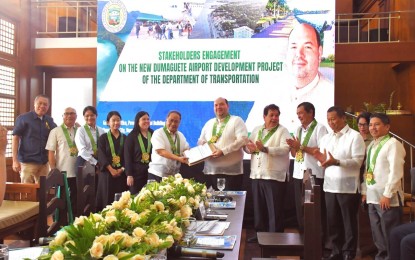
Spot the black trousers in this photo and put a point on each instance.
(154, 177)
(342, 211)
(268, 200)
(139, 183)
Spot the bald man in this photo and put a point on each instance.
(307, 83)
(62, 151)
(229, 135)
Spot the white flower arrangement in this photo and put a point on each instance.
(134, 226)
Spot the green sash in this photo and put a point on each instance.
(370, 165)
(215, 136)
(145, 154)
(72, 146)
(267, 137)
(116, 159)
(299, 157)
(93, 143)
(175, 149)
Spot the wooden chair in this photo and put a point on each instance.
(308, 245)
(85, 185)
(19, 212)
(52, 208)
(21, 191)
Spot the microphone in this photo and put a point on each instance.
(193, 252)
(43, 241)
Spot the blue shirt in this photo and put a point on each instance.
(33, 133)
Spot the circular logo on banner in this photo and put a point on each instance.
(114, 16)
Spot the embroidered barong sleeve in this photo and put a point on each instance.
(283, 148)
(357, 153)
(395, 157)
(241, 137)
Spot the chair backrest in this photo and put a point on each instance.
(21, 191)
(312, 226)
(85, 185)
(52, 205)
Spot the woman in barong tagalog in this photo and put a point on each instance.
(137, 152)
(112, 178)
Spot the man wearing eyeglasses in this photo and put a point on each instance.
(62, 151)
(168, 147)
(30, 134)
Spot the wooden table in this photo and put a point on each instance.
(235, 216)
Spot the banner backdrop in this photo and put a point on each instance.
(163, 55)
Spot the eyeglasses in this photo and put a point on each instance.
(69, 113)
(362, 125)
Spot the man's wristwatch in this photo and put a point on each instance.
(264, 149)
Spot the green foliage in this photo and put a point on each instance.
(134, 225)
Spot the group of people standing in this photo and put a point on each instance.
(350, 167)
(348, 172)
(164, 30)
(334, 158)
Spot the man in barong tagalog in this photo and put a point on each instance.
(270, 162)
(382, 188)
(168, 147)
(306, 139)
(228, 134)
(341, 155)
(62, 151)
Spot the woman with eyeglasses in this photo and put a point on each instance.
(363, 120)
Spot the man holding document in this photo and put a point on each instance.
(168, 147)
(228, 134)
(199, 153)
